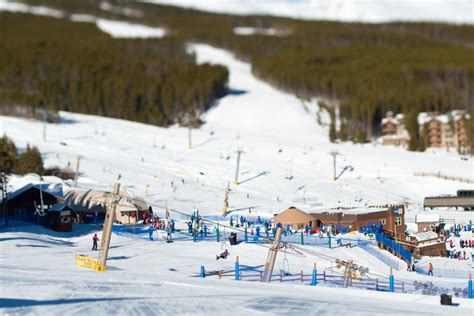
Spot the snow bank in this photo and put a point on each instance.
(246, 30)
(130, 30)
(6, 5)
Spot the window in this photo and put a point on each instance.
(398, 221)
(383, 221)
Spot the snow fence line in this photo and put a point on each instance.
(388, 284)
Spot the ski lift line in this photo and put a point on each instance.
(267, 239)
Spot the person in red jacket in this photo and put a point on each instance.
(95, 239)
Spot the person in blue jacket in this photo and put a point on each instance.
(150, 232)
(258, 231)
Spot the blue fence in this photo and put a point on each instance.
(405, 254)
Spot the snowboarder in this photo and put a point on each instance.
(223, 255)
(430, 269)
(95, 239)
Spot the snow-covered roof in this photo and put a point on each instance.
(460, 114)
(425, 235)
(349, 211)
(426, 117)
(45, 187)
(400, 116)
(427, 218)
(363, 210)
(386, 120)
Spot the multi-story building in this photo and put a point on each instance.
(462, 141)
(393, 130)
(446, 130)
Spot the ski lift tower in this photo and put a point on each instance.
(334, 154)
(271, 258)
(349, 268)
(112, 202)
(239, 152)
(188, 122)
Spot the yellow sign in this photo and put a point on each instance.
(89, 262)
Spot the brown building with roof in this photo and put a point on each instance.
(393, 130)
(392, 217)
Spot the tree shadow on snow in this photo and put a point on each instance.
(232, 91)
(119, 258)
(32, 246)
(16, 302)
(78, 230)
(52, 241)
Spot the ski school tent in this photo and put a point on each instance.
(92, 203)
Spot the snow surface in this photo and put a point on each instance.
(372, 11)
(286, 162)
(114, 28)
(246, 30)
(126, 29)
(6, 5)
(38, 276)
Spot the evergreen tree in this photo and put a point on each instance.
(343, 131)
(412, 128)
(332, 132)
(7, 154)
(30, 161)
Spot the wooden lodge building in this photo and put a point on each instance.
(392, 217)
(23, 202)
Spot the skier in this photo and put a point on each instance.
(205, 230)
(169, 239)
(190, 227)
(430, 269)
(150, 232)
(231, 221)
(95, 239)
(172, 225)
(258, 231)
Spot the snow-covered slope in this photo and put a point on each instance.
(114, 28)
(451, 11)
(286, 157)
